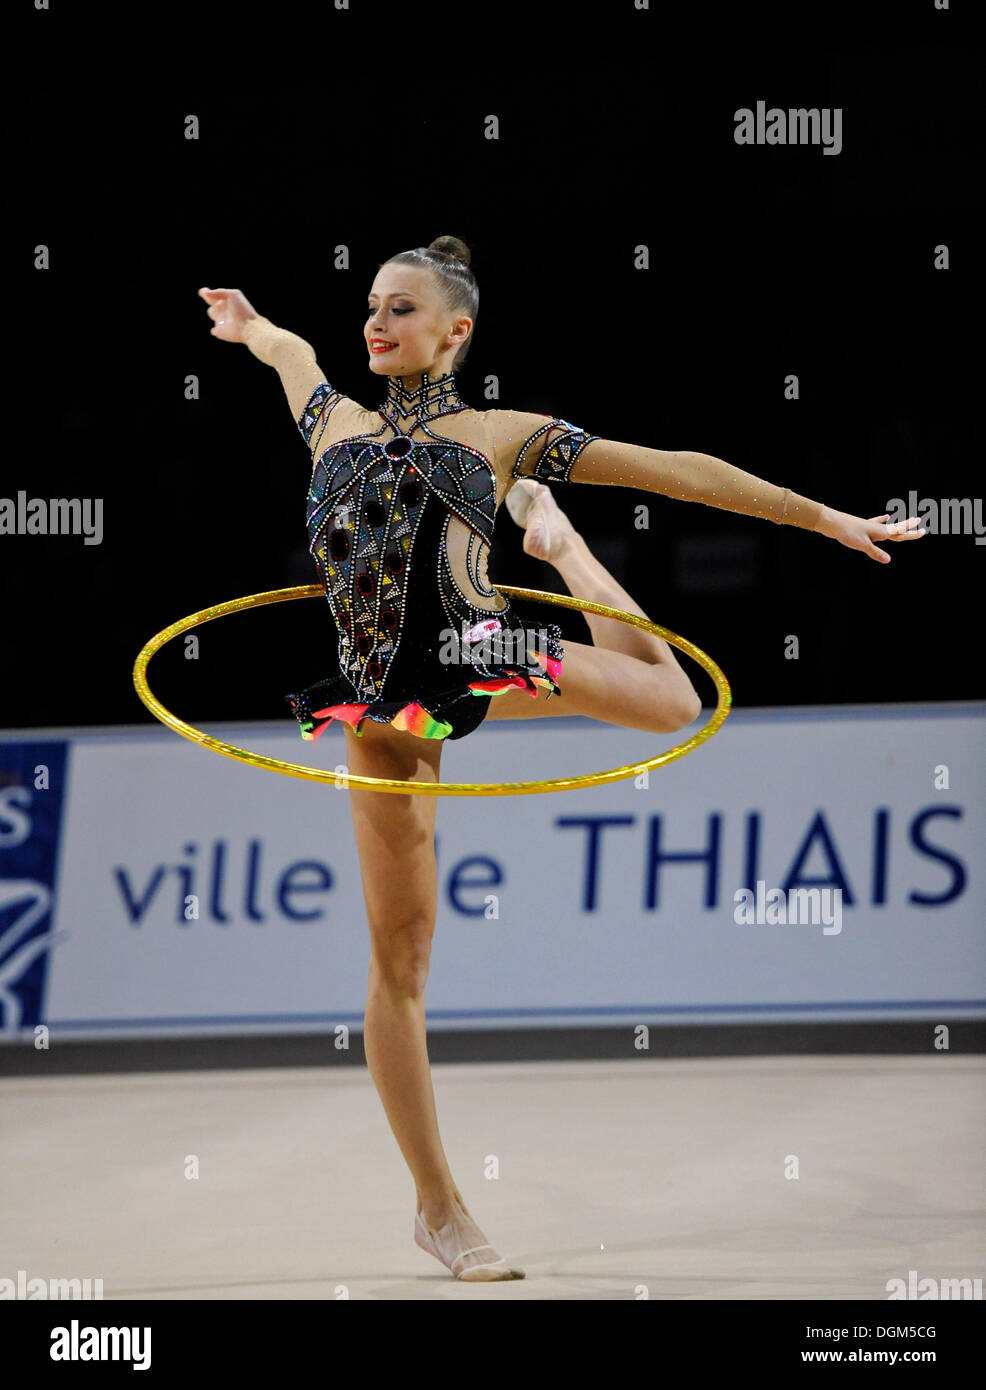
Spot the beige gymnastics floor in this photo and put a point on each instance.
(612, 1179)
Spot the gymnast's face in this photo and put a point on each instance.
(408, 329)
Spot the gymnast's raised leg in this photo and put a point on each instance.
(395, 838)
(628, 676)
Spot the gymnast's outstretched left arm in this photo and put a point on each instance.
(551, 450)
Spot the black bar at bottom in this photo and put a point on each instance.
(916, 1037)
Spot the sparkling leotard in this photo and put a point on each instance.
(400, 515)
(385, 511)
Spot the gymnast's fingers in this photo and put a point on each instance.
(909, 530)
(896, 530)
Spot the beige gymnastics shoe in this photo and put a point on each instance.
(547, 528)
(479, 1264)
(520, 499)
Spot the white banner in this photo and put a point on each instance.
(858, 833)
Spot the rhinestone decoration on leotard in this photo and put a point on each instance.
(556, 460)
(428, 402)
(320, 406)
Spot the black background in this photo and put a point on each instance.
(365, 127)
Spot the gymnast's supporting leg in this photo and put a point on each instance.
(395, 839)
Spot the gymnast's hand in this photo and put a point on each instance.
(858, 534)
(229, 311)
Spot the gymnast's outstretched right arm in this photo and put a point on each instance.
(236, 321)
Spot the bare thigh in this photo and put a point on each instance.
(395, 833)
(601, 684)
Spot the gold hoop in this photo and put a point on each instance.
(383, 784)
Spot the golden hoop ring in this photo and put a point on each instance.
(383, 784)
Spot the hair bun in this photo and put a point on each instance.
(452, 247)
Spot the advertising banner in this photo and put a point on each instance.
(804, 864)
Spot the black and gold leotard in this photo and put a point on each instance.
(400, 515)
(400, 527)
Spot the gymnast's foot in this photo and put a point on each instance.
(548, 531)
(460, 1245)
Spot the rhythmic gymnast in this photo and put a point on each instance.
(400, 518)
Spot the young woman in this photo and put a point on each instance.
(400, 519)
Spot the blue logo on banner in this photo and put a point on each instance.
(32, 786)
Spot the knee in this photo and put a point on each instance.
(400, 958)
(678, 714)
(690, 710)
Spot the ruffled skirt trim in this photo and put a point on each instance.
(413, 716)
